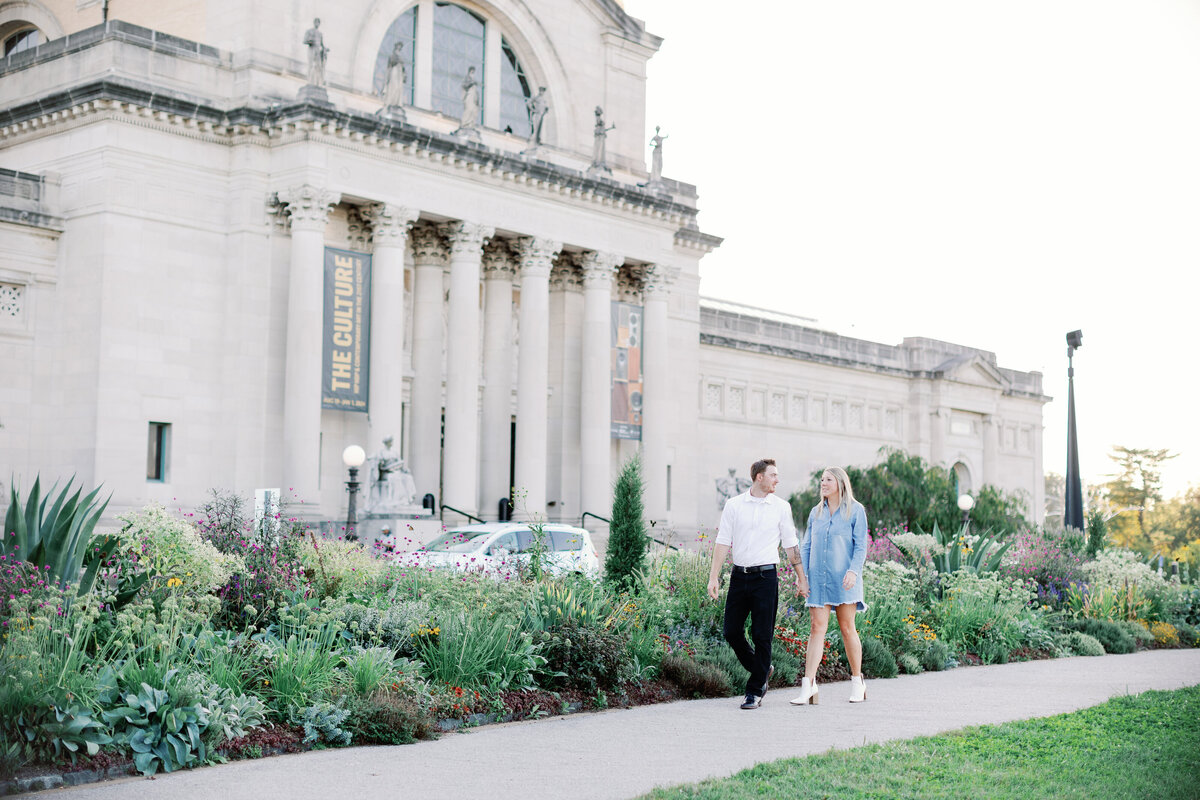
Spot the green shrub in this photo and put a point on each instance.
(1189, 636)
(366, 668)
(322, 724)
(53, 733)
(585, 657)
(910, 664)
(1140, 633)
(693, 678)
(627, 539)
(300, 669)
(936, 656)
(392, 626)
(877, 659)
(556, 603)
(724, 659)
(335, 567)
(1112, 635)
(1083, 645)
(385, 717)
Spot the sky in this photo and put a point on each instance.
(993, 174)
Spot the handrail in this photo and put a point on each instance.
(458, 511)
(587, 514)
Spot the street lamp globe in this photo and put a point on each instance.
(354, 456)
(965, 503)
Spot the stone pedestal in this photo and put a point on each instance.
(313, 94)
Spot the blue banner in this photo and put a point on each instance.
(346, 339)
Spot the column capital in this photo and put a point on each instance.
(465, 238)
(307, 206)
(535, 254)
(599, 268)
(428, 245)
(498, 262)
(389, 223)
(566, 274)
(657, 280)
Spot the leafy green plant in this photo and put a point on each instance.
(1112, 635)
(52, 732)
(322, 724)
(627, 539)
(161, 733)
(552, 604)
(1081, 644)
(472, 651)
(366, 668)
(582, 656)
(58, 536)
(693, 678)
(936, 656)
(962, 550)
(385, 717)
(301, 668)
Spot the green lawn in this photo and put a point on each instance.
(1145, 746)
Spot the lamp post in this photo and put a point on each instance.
(353, 457)
(1073, 507)
(965, 504)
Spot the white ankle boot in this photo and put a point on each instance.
(808, 692)
(858, 689)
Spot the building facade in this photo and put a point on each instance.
(174, 183)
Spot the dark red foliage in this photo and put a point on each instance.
(268, 741)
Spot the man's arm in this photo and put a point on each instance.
(793, 557)
(720, 553)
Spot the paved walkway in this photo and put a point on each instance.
(624, 753)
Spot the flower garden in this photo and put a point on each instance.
(185, 639)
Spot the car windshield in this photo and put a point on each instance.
(458, 541)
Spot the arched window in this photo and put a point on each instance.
(404, 31)
(458, 37)
(962, 476)
(24, 39)
(514, 93)
(436, 69)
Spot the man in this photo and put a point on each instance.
(754, 525)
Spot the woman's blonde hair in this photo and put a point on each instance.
(845, 493)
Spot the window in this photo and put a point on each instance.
(514, 94)
(157, 450)
(404, 31)
(458, 37)
(962, 478)
(22, 40)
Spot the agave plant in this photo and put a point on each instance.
(979, 554)
(53, 532)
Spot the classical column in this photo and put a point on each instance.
(535, 257)
(566, 324)
(425, 452)
(595, 404)
(389, 230)
(991, 435)
(495, 440)
(461, 454)
(307, 208)
(656, 386)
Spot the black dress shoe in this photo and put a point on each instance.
(751, 701)
(767, 682)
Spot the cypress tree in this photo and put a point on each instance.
(627, 539)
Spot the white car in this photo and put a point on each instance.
(503, 548)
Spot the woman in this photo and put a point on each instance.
(834, 550)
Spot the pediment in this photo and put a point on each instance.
(974, 371)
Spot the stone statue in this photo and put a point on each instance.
(394, 78)
(599, 144)
(470, 99)
(537, 105)
(317, 53)
(392, 485)
(731, 486)
(656, 157)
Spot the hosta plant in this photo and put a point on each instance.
(161, 734)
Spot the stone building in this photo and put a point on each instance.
(178, 186)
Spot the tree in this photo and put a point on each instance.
(1175, 523)
(904, 490)
(627, 539)
(1137, 486)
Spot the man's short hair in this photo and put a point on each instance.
(760, 466)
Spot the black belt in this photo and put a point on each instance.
(759, 568)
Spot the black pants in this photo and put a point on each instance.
(754, 595)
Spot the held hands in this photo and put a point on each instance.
(802, 587)
(849, 580)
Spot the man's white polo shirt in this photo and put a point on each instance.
(755, 527)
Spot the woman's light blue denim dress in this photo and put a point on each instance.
(831, 546)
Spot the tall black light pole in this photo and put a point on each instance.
(1073, 508)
